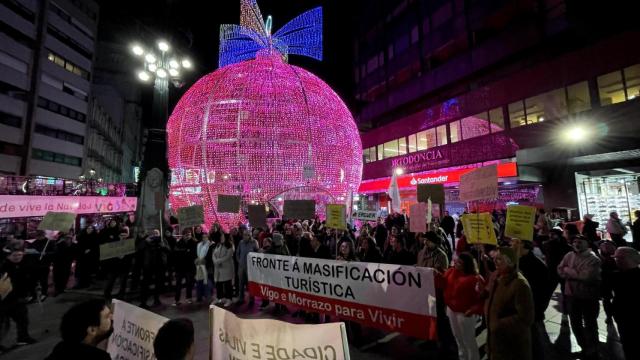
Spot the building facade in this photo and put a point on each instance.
(545, 89)
(46, 61)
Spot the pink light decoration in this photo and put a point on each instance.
(252, 129)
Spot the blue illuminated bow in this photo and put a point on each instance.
(300, 36)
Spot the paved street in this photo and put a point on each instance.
(373, 345)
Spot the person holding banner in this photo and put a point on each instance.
(62, 263)
(462, 285)
(113, 266)
(397, 254)
(247, 245)
(41, 251)
(83, 327)
(155, 251)
(509, 311)
(223, 270)
(368, 251)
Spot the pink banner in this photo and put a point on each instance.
(12, 206)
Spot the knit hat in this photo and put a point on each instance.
(509, 253)
(433, 237)
(277, 239)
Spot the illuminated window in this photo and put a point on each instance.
(610, 88)
(413, 146)
(372, 153)
(390, 149)
(632, 81)
(366, 156)
(426, 139)
(578, 97)
(380, 152)
(402, 146)
(550, 105)
(516, 114)
(454, 129)
(442, 134)
(497, 119)
(474, 126)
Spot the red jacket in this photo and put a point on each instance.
(460, 293)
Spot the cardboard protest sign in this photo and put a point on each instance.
(357, 291)
(365, 215)
(257, 216)
(244, 339)
(134, 330)
(299, 209)
(228, 203)
(479, 184)
(117, 249)
(189, 216)
(478, 229)
(520, 219)
(418, 217)
(336, 214)
(57, 221)
(433, 191)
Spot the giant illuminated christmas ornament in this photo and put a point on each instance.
(261, 128)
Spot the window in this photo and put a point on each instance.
(474, 126)
(610, 88)
(67, 65)
(454, 131)
(13, 62)
(413, 146)
(516, 114)
(61, 109)
(372, 153)
(10, 120)
(12, 91)
(497, 120)
(45, 155)
(632, 81)
(578, 98)
(550, 105)
(19, 9)
(380, 152)
(390, 148)
(59, 134)
(66, 17)
(442, 134)
(16, 35)
(68, 41)
(426, 139)
(402, 146)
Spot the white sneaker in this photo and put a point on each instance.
(227, 303)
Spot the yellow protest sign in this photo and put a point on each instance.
(478, 229)
(336, 216)
(520, 219)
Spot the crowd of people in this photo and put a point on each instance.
(507, 286)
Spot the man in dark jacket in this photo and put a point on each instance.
(41, 252)
(380, 233)
(397, 254)
(83, 327)
(635, 230)
(14, 305)
(537, 274)
(88, 255)
(114, 266)
(155, 251)
(448, 224)
(184, 256)
(626, 298)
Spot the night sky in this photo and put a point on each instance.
(193, 26)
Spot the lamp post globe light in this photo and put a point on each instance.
(162, 65)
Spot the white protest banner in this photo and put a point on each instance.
(481, 183)
(134, 330)
(26, 205)
(240, 339)
(390, 297)
(189, 216)
(365, 215)
(418, 217)
(117, 249)
(57, 221)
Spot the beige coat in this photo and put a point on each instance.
(509, 312)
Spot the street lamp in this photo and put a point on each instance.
(162, 65)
